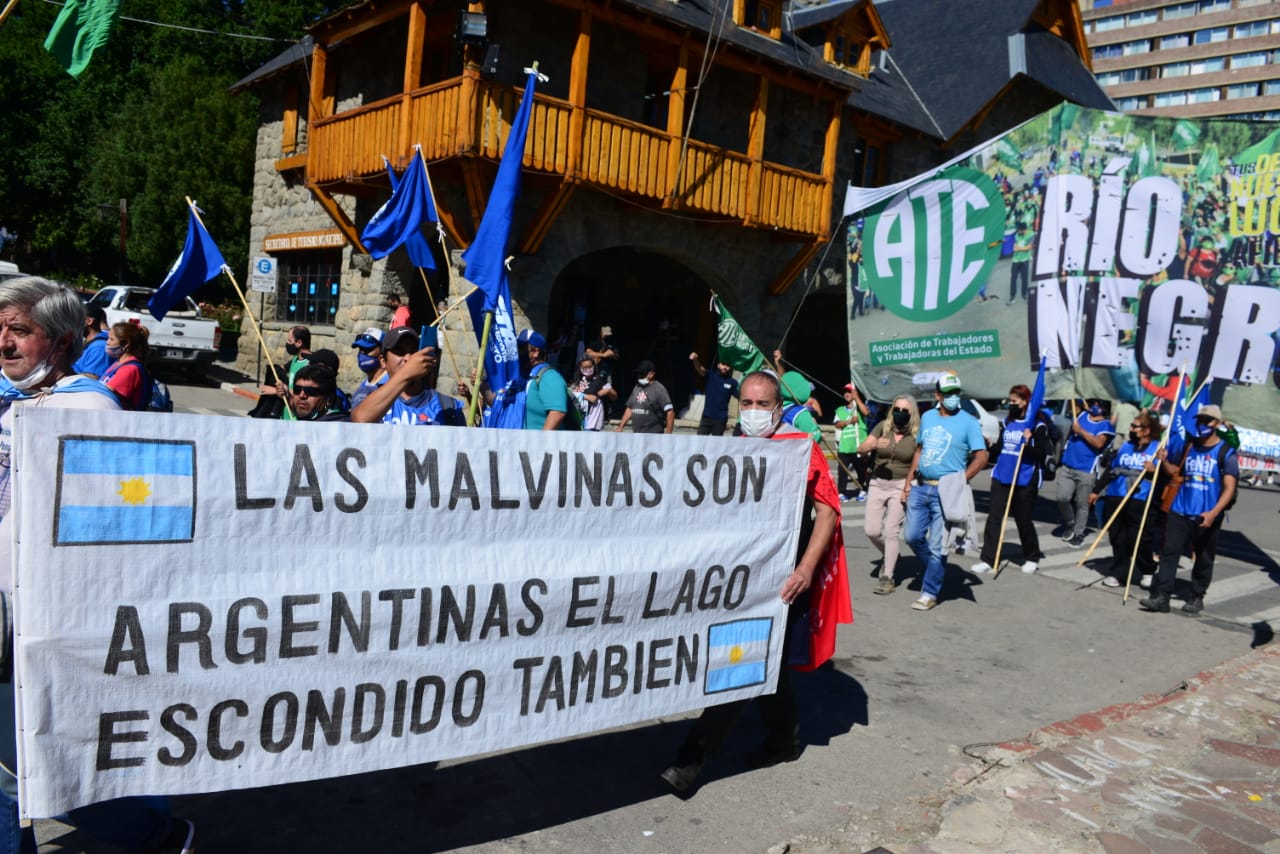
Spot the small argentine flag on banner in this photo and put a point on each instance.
(113, 491)
(736, 654)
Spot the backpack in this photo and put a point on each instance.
(573, 416)
(451, 415)
(157, 398)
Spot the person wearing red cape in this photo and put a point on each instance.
(817, 592)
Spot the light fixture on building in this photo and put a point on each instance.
(473, 29)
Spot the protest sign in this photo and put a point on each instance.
(208, 604)
(1122, 248)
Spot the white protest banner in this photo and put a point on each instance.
(1258, 451)
(206, 604)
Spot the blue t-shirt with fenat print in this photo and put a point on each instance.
(1079, 454)
(946, 441)
(1203, 485)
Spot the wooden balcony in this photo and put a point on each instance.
(468, 118)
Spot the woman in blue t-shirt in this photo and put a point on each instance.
(1028, 434)
(1134, 459)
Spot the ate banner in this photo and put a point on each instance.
(207, 603)
(1122, 248)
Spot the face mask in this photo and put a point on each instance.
(292, 349)
(115, 352)
(366, 362)
(951, 402)
(758, 422)
(1133, 436)
(1015, 410)
(901, 419)
(588, 372)
(1202, 431)
(32, 379)
(643, 381)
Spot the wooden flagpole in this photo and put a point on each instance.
(1146, 508)
(995, 567)
(253, 321)
(453, 362)
(475, 392)
(7, 9)
(1119, 507)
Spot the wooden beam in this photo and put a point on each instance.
(545, 217)
(289, 137)
(345, 25)
(412, 75)
(755, 150)
(477, 196)
(320, 98)
(794, 267)
(830, 150)
(675, 128)
(293, 161)
(578, 97)
(338, 215)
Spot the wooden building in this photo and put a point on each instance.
(680, 147)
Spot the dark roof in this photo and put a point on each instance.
(290, 57)
(949, 60)
(704, 16)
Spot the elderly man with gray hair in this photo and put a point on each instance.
(41, 336)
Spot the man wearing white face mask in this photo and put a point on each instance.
(950, 447)
(649, 408)
(41, 336)
(817, 592)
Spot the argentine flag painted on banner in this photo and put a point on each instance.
(125, 491)
(736, 654)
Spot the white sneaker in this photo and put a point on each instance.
(980, 568)
(1145, 583)
(1030, 567)
(924, 603)
(1110, 581)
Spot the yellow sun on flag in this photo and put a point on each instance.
(134, 491)
(735, 654)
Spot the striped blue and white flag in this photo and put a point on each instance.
(113, 491)
(737, 653)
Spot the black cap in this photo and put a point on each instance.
(644, 367)
(328, 358)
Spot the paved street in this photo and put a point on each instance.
(893, 728)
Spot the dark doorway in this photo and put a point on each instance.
(656, 306)
(818, 346)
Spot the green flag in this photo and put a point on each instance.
(1269, 144)
(1062, 121)
(1185, 135)
(737, 350)
(1208, 167)
(82, 27)
(1009, 154)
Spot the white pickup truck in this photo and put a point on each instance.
(183, 339)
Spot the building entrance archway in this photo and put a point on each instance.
(656, 305)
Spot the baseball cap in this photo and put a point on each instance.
(394, 336)
(370, 338)
(1210, 411)
(328, 358)
(643, 367)
(532, 339)
(848, 386)
(948, 381)
(606, 331)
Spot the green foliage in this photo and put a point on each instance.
(149, 121)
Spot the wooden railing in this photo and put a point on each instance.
(614, 154)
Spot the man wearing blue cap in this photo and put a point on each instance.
(546, 399)
(409, 395)
(369, 358)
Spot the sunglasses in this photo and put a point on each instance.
(308, 391)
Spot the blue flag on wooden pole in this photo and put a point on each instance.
(400, 220)
(199, 262)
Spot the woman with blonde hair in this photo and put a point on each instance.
(892, 444)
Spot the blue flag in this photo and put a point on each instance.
(199, 262)
(416, 244)
(401, 218)
(1184, 414)
(1037, 398)
(486, 255)
(501, 360)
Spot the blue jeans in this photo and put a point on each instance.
(924, 532)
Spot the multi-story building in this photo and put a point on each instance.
(1188, 58)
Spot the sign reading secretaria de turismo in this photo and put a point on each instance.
(259, 603)
(1122, 248)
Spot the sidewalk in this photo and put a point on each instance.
(1196, 770)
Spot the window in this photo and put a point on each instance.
(310, 283)
(1215, 5)
(1204, 96)
(762, 15)
(1216, 34)
(1249, 60)
(1204, 66)
(1109, 79)
(1126, 104)
(1136, 47)
(1176, 69)
(1137, 19)
(1182, 10)
(1251, 29)
(1108, 24)
(1179, 40)
(1107, 51)
(1271, 87)
(1242, 90)
(1171, 99)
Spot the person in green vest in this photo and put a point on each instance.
(797, 408)
(1023, 243)
(297, 344)
(851, 430)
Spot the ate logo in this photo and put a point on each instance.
(929, 249)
